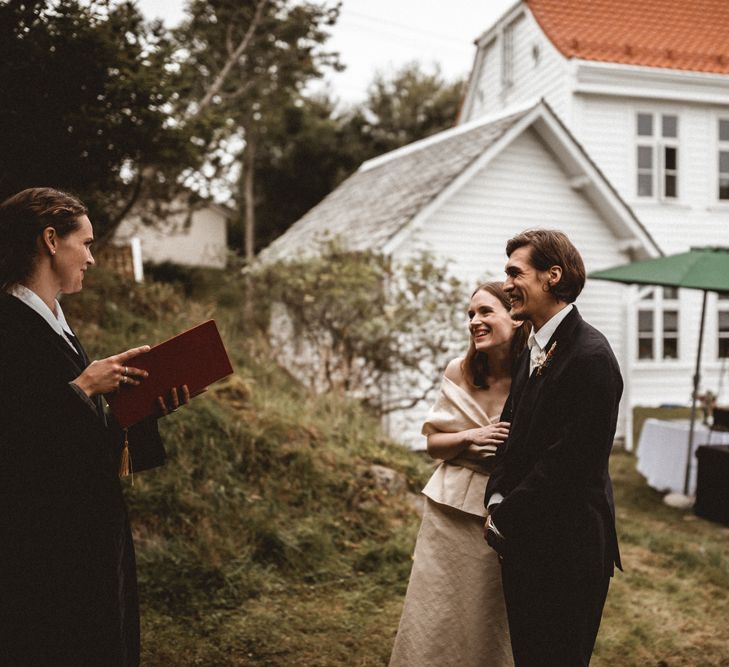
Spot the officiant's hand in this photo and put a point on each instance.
(107, 375)
(484, 441)
(173, 401)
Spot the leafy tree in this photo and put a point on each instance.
(304, 157)
(241, 64)
(83, 104)
(410, 105)
(352, 322)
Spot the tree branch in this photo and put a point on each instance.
(217, 84)
(116, 220)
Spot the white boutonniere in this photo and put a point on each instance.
(544, 359)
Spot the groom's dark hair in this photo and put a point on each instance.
(549, 247)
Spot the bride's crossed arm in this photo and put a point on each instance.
(474, 443)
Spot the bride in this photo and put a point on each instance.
(454, 610)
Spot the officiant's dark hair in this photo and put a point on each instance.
(475, 365)
(23, 217)
(549, 247)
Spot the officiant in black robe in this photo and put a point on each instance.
(68, 593)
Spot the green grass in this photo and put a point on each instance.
(670, 605)
(264, 541)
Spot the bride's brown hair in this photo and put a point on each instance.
(475, 365)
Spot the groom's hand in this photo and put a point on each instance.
(493, 537)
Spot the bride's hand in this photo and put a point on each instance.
(484, 441)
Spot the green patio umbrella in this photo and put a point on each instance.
(705, 269)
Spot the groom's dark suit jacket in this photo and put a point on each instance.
(553, 470)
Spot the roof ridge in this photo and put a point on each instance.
(451, 132)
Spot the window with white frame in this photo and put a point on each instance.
(658, 324)
(723, 159)
(657, 155)
(722, 312)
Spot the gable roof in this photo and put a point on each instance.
(385, 193)
(674, 34)
(376, 206)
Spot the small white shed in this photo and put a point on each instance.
(196, 237)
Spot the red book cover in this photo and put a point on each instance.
(195, 357)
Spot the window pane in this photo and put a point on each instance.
(645, 348)
(724, 347)
(648, 295)
(645, 186)
(724, 188)
(670, 292)
(645, 124)
(670, 321)
(670, 158)
(724, 130)
(645, 321)
(724, 162)
(670, 126)
(670, 348)
(723, 295)
(723, 320)
(645, 157)
(670, 185)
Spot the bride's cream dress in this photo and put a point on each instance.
(454, 610)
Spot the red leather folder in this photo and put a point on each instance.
(195, 357)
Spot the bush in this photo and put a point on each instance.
(356, 323)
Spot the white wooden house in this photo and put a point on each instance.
(629, 154)
(644, 87)
(462, 193)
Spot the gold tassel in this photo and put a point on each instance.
(125, 467)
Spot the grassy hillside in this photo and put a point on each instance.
(267, 539)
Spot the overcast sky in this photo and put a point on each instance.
(382, 35)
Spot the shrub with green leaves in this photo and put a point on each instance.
(361, 324)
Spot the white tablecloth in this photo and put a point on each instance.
(662, 451)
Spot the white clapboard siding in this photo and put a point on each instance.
(601, 126)
(546, 76)
(522, 187)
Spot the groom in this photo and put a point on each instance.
(550, 500)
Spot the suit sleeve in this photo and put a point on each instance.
(565, 467)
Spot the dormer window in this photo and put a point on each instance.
(657, 156)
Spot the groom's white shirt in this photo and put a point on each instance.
(536, 342)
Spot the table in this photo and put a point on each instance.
(662, 451)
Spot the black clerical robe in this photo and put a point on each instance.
(68, 593)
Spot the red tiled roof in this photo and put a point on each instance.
(674, 34)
